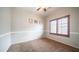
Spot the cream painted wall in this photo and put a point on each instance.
(5, 22)
(73, 40)
(21, 29)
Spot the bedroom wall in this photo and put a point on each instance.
(73, 40)
(21, 30)
(5, 22)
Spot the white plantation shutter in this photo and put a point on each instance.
(63, 26)
(53, 26)
(60, 26)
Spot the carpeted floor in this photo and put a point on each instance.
(41, 45)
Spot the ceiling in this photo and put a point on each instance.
(34, 10)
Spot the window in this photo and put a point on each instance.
(53, 26)
(60, 26)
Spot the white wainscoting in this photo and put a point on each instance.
(5, 42)
(73, 40)
(17, 37)
(25, 36)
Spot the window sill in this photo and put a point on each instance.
(60, 34)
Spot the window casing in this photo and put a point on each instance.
(60, 26)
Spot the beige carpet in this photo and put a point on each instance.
(41, 45)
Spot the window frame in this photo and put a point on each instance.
(68, 27)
